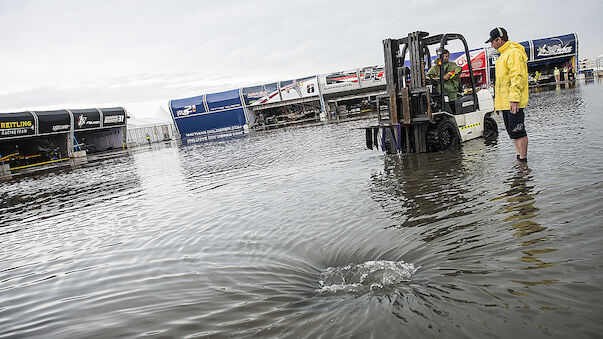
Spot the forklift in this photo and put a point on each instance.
(418, 117)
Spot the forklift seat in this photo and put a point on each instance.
(464, 104)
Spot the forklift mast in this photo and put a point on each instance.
(410, 102)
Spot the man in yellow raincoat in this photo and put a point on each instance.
(452, 75)
(511, 88)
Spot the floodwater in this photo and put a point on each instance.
(305, 233)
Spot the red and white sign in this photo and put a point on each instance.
(478, 60)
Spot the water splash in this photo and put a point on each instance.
(369, 277)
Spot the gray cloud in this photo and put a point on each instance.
(95, 52)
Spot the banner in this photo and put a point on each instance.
(287, 90)
(255, 93)
(86, 118)
(224, 114)
(372, 76)
(223, 100)
(185, 107)
(299, 88)
(478, 59)
(555, 47)
(115, 116)
(339, 81)
(53, 121)
(211, 123)
(16, 124)
(59, 121)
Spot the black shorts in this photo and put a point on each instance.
(514, 124)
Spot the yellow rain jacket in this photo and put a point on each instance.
(511, 76)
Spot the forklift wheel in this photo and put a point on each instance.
(447, 136)
(490, 128)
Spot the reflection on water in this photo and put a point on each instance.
(423, 189)
(40, 207)
(522, 212)
(520, 203)
(552, 86)
(305, 233)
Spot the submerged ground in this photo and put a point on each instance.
(305, 233)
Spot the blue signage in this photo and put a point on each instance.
(211, 123)
(223, 100)
(560, 46)
(209, 115)
(188, 106)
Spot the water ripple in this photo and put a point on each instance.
(234, 238)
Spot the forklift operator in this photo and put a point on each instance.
(452, 75)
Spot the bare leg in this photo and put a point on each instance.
(521, 145)
(517, 151)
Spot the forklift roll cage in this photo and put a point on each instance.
(443, 40)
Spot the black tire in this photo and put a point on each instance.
(490, 128)
(448, 137)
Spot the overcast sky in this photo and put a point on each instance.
(140, 54)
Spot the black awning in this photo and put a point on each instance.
(22, 124)
(53, 121)
(86, 118)
(114, 116)
(16, 124)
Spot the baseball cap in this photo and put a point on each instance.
(498, 32)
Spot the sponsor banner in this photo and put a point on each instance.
(223, 100)
(255, 93)
(53, 121)
(198, 125)
(16, 124)
(270, 94)
(372, 76)
(339, 81)
(113, 116)
(289, 90)
(213, 134)
(299, 88)
(187, 106)
(85, 118)
(560, 46)
(224, 109)
(478, 60)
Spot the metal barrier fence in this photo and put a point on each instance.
(140, 135)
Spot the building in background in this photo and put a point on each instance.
(337, 96)
(290, 102)
(210, 116)
(36, 137)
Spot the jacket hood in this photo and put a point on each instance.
(513, 45)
